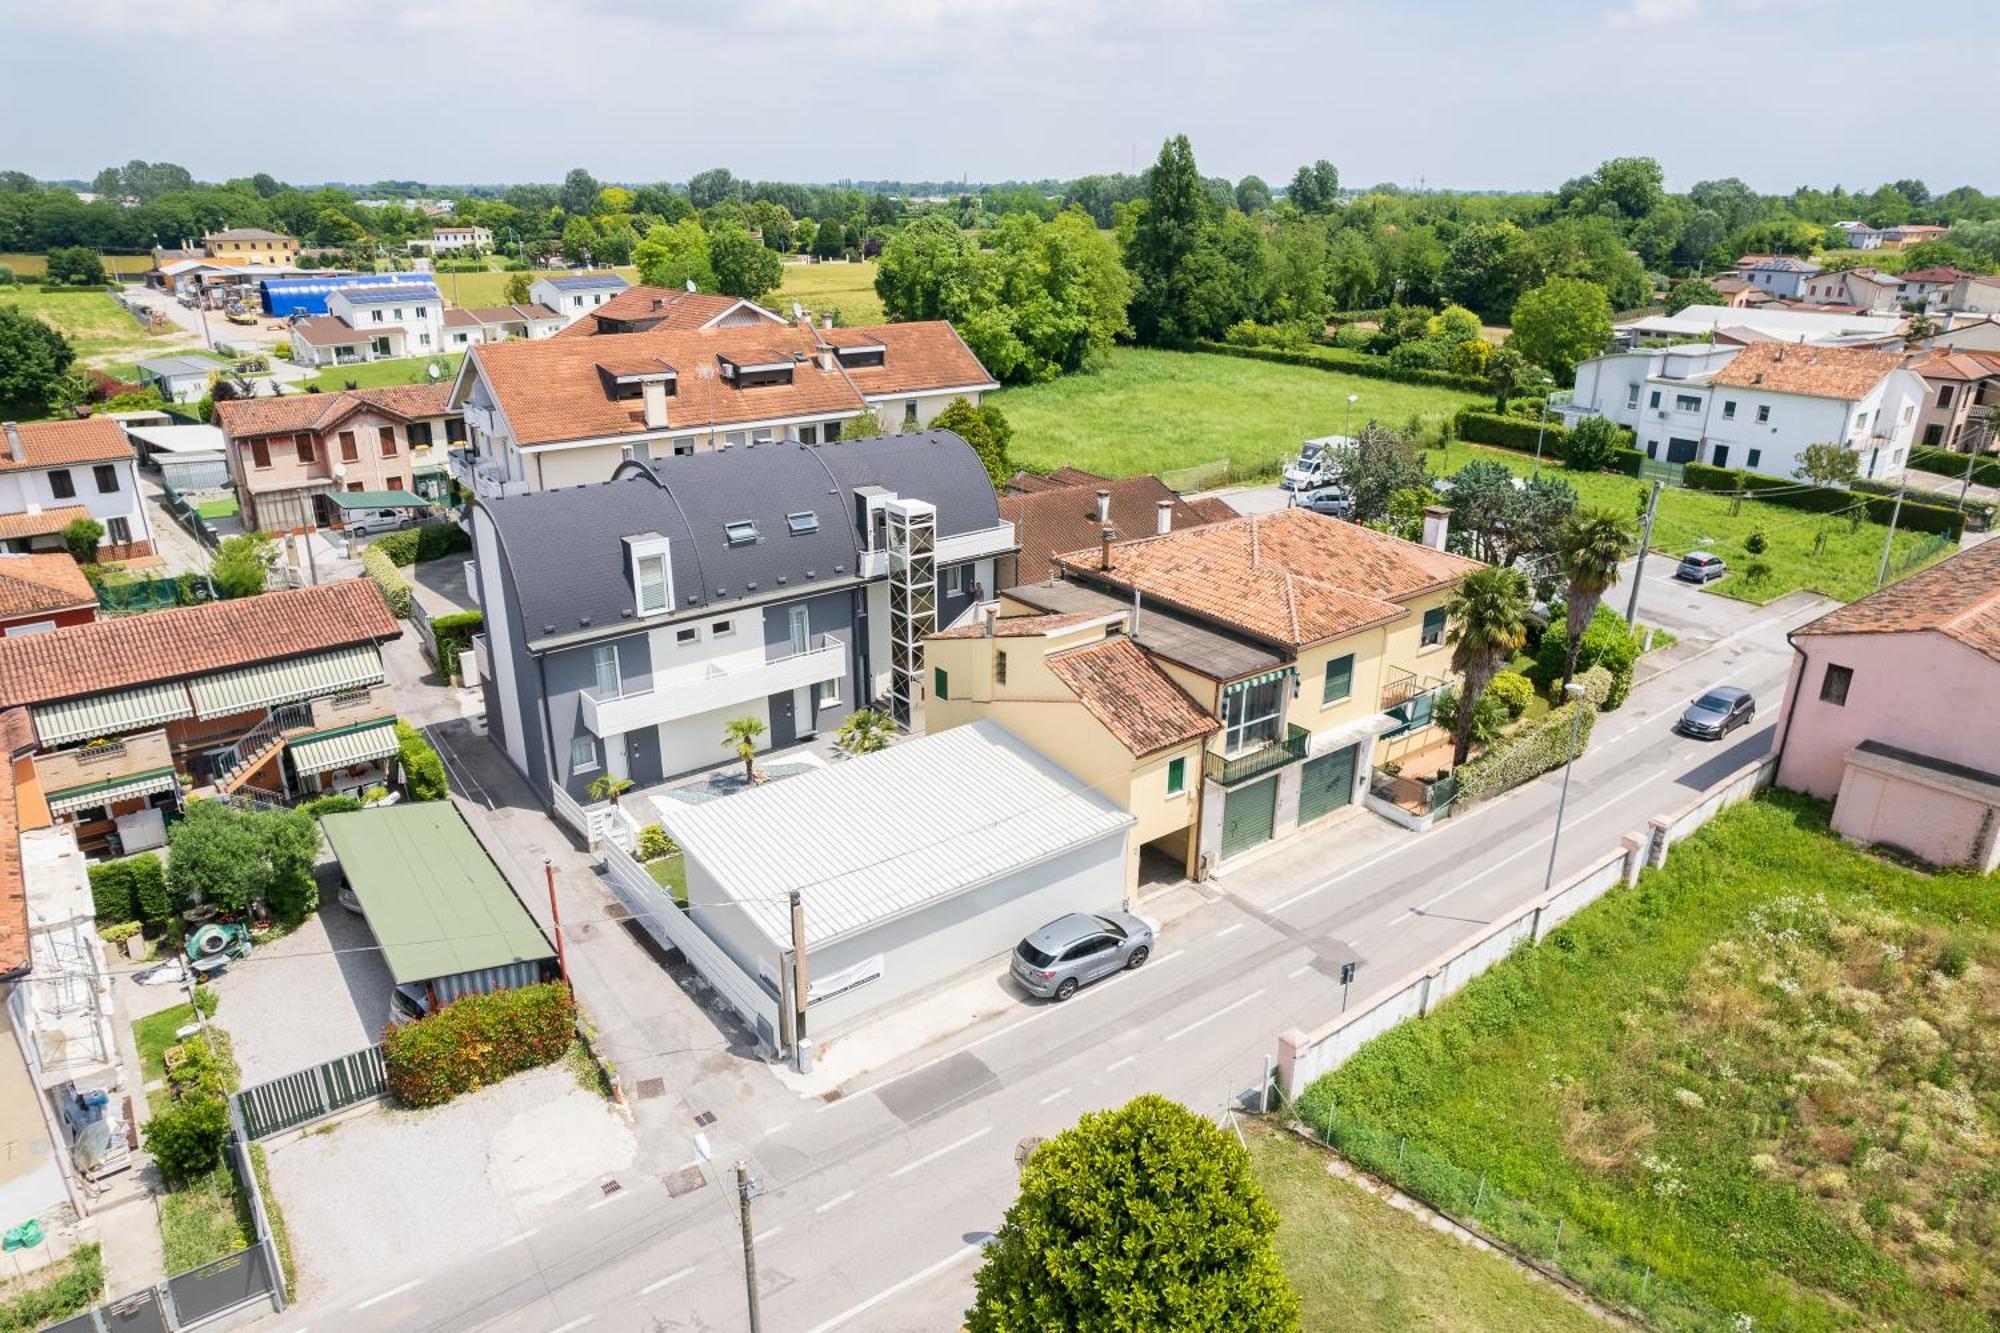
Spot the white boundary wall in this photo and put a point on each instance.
(1304, 1056)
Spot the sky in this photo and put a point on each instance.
(1464, 94)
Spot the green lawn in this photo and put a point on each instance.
(97, 326)
(33, 266)
(846, 287)
(1154, 411)
(383, 374)
(1765, 1075)
(1690, 520)
(221, 507)
(1359, 1263)
(154, 1033)
(670, 873)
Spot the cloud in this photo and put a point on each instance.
(1648, 13)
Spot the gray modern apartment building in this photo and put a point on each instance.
(628, 621)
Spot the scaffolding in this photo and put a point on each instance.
(912, 538)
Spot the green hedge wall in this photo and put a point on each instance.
(1518, 434)
(428, 540)
(1536, 749)
(454, 635)
(1915, 517)
(423, 769)
(394, 587)
(478, 1040)
(1350, 363)
(1945, 463)
(132, 889)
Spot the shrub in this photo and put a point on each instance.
(389, 580)
(478, 1040)
(400, 546)
(81, 537)
(200, 1070)
(1592, 444)
(186, 1137)
(1916, 516)
(1608, 642)
(1756, 543)
(6, 275)
(423, 770)
(1519, 434)
(337, 803)
(1514, 690)
(654, 842)
(1340, 359)
(1945, 463)
(454, 635)
(1488, 717)
(205, 1000)
(440, 537)
(132, 889)
(1535, 749)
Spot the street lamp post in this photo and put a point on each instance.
(1348, 428)
(1575, 693)
(1542, 423)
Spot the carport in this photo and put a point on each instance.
(337, 505)
(445, 918)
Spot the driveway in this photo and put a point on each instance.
(441, 586)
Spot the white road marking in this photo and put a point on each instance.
(504, 1245)
(666, 1281)
(778, 1128)
(890, 1293)
(834, 1202)
(930, 1157)
(1120, 1064)
(606, 1201)
(393, 1291)
(1229, 930)
(1059, 1093)
(766, 1233)
(577, 1322)
(1298, 972)
(1211, 1017)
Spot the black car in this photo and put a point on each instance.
(1719, 712)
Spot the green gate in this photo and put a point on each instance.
(312, 1094)
(1326, 784)
(1247, 815)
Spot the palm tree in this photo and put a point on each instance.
(865, 731)
(740, 735)
(1489, 619)
(608, 788)
(1588, 549)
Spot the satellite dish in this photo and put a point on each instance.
(435, 371)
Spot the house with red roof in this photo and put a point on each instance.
(55, 473)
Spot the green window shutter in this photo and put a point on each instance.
(1339, 679)
(1433, 626)
(940, 683)
(1177, 776)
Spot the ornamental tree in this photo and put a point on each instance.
(743, 267)
(1562, 322)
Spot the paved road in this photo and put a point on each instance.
(871, 1208)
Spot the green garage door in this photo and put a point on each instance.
(1326, 783)
(1247, 815)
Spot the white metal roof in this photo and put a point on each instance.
(1697, 320)
(873, 838)
(181, 439)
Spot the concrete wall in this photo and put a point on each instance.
(1944, 827)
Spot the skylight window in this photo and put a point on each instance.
(740, 533)
(803, 522)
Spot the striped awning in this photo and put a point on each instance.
(118, 789)
(112, 713)
(1252, 682)
(338, 749)
(283, 682)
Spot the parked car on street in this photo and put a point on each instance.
(1719, 712)
(1075, 950)
(1333, 501)
(1701, 567)
(1318, 463)
(368, 522)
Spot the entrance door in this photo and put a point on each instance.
(1682, 451)
(1720, 456)
(1247, 815)
(1326, 784)
(797, 626)
(784, 721)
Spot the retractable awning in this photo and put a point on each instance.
(1251, 682)
(271, 683)
(73, 799)
(338, 749)
(377, 500)
(112, 713)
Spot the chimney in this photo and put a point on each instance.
(656, 404)
(826, 321)
(1104, 506)
(824, 356)
(1134, 630)
(659, 303)
(1163, 522)
(987, 615)
(625, 452)
(15, 449)
(1104, 555)
(1437, 525)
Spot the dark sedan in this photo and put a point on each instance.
(1719, 712)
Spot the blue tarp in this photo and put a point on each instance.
(284, 297)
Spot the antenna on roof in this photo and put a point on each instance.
(434, 371)
(798, 311)
(690, 284)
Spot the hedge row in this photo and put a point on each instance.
(454, 635)
(394, 587)
(429, 540)
(132, 889)
(476, 1041)
(1519, 434)
(1945, 463)
(1534, 750)
(1915, 516)
(423, 769)
(1343, 361)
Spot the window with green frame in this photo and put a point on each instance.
(940, 683)
(1339, 680)
(1433, 627)
(1177, 776)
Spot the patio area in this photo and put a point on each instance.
(1413, 784)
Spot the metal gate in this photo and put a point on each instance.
(1247, 815)
(301, 1098)
(1326, 784)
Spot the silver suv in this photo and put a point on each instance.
(1075, 950)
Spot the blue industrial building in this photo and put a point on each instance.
(284, 297)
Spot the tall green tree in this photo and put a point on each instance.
(242, 563)
(1315, 188)
(1489, 624)
(1560, 323)
(1051, 298)
(930, 270)
(579, 194)
(1695, 291)
(1184, 288)
(1487, 268)
(982, 427)
(1146, 1219)
(74, 266)
(580, 241)
(1828, 464)
(1252, 195)
(33, 359)
(743, 267)
(673, 255)
(708, 188)
(1588, 552)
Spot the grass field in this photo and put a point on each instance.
(33, 266)
(847, 288)
(97, 326)
(154, 1033)
(382, 374)
(1766, 1074)
(1690, 520)
(1359, 1263)
(1155, 411)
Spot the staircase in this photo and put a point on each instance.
(249, 751)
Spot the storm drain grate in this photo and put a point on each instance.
(831, 1097)
(705, 1119)
(650, 1088)
(609, 1186)
(685, 1181)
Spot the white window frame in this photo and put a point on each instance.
(688, 636)
(577, 763)
(954, 581)
(1631, 395)
(600, 655)
(721, 629)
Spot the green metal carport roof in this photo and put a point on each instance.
(436, 902)
(377, 500)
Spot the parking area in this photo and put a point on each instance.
(442, 587)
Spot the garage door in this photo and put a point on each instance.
(1247, 816)
(1326, 784)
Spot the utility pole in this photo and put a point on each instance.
(749, 1244)
(1575, 693)
(1882, 570)
(555, 918)
(1645, 540)
(799, 973)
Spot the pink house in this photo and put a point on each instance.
(1889, 713)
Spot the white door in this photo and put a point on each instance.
(615, 761)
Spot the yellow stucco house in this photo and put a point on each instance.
(1230, 684)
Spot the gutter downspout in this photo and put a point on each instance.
(1798, 682)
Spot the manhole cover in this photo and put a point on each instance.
(609, 1186)
(705, 1119)
(685, 1181)
(831, 1097)
(650, 1088)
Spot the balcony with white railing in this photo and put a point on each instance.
(717, 683)
(976, 545)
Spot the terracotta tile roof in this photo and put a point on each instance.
(1017, 627)
(1958, 598)
(34, 584)
(1027, 483)
(1938, 274)
(652, 308)
(190, 640)
(1958, 366)
(1293, 577)
(13, 882)
(64, 443)
(1846, 373)
(927, 354)
(1134, 700)
(40, 525)
(1049, 522)
(242, 418)
(332, 331)
(1211, 509)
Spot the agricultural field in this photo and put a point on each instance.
(33, 266)
(848, 288)
(383, 374)
(1156, 411)
(1700, 520)
(1765, 1077)
(105, 337)
(1348, 1252)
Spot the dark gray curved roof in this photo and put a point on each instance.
(565, 551)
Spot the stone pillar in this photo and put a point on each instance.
(1291, 1043)
(1635, 856)
(1657, 835)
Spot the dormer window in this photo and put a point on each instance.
(802, 522)
(742, 532)
(652, 576)
(862, 356)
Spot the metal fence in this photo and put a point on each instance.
(1200, 477)
(312, 1094)
(184, 512)
(153, 594)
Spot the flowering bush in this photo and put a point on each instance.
(478, 1040)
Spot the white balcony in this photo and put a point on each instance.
(717, 683)
(950, 550)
